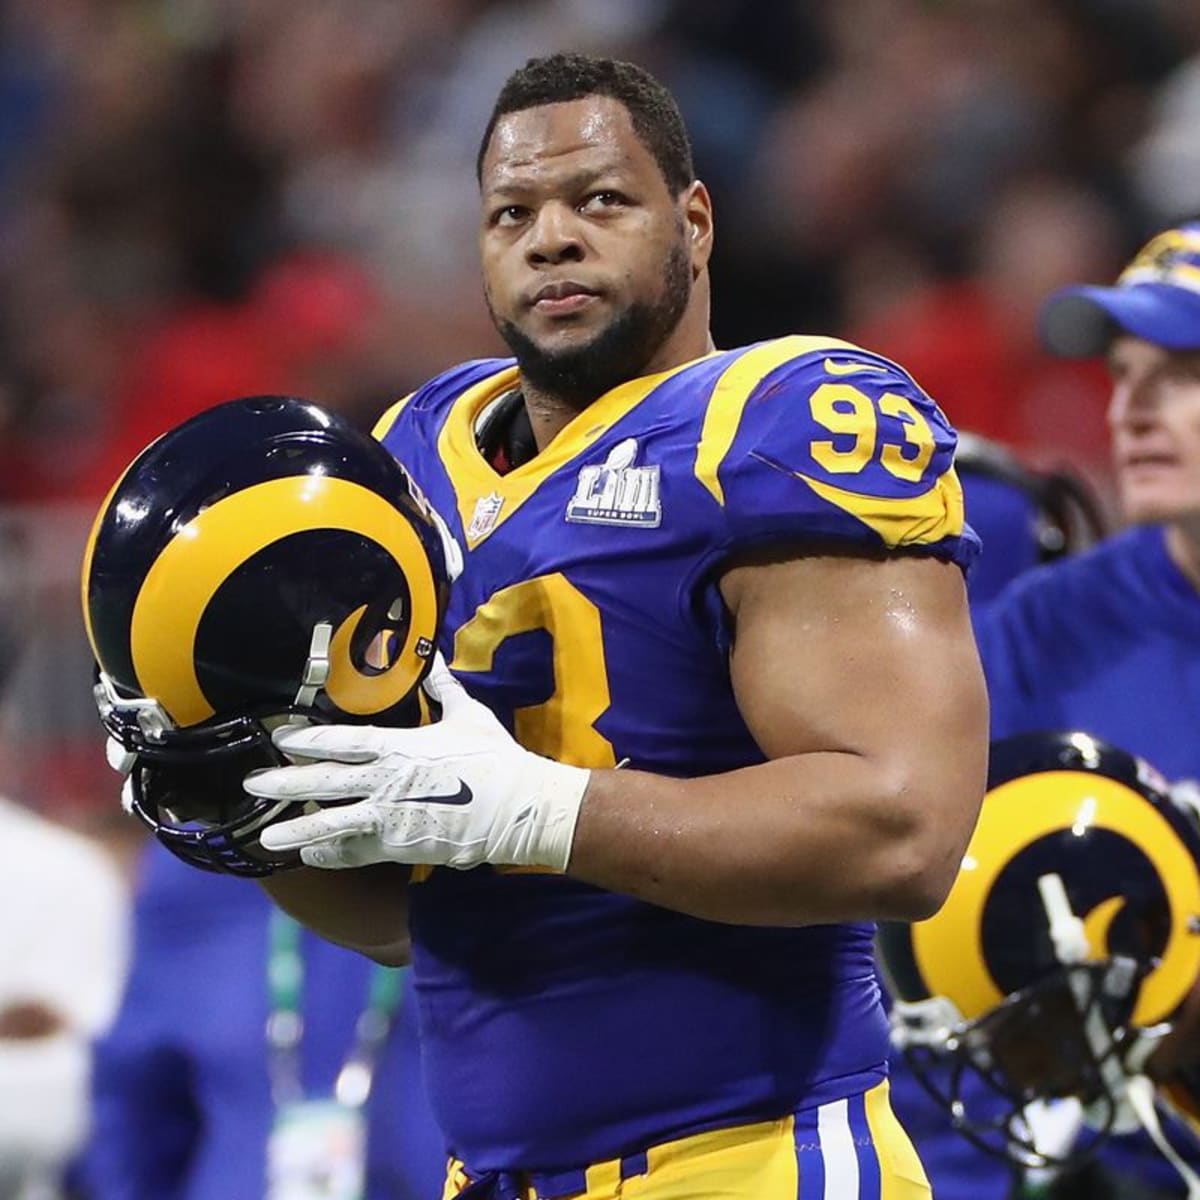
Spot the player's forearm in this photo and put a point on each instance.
(810, 839)
(365, 909)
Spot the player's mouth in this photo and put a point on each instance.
(1138, 461)
(562, 298)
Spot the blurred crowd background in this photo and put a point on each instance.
(206, 198)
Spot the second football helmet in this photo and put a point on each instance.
(262, 562)
(1070, 938)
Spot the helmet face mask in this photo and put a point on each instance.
(1066, 945)
(1062, 1037)
(197, 811)
(263, 563)
(185, 784)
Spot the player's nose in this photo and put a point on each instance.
(554, 236)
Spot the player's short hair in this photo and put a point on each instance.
(558, 78)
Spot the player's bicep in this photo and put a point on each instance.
(867, 655)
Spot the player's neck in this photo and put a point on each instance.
(547, 414)
(1183, 546)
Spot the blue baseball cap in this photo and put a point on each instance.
(1156, 298)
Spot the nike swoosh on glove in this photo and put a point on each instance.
(457, 793)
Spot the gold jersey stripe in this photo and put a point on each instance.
(911, 521)
(474, 479)
(383, 426)
(732, 393)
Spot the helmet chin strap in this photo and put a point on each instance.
(316, 669)
(152, 718)
(1067, 933)
(1071, 948)
(1134, 1092)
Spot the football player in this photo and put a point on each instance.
(709, 705)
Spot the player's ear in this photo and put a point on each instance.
(698, 218)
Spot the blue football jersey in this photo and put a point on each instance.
(563, 1024)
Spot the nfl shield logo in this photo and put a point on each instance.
(483, 520)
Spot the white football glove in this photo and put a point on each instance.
(456, 793)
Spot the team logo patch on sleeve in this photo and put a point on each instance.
(616, 492)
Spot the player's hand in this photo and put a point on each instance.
(456, 793)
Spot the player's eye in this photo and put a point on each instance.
(599, 201)
(509, 215)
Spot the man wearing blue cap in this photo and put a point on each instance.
(1107, 642)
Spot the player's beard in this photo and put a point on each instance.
(618, 353)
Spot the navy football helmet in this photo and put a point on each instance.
(1068, 943)
(262, 562)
